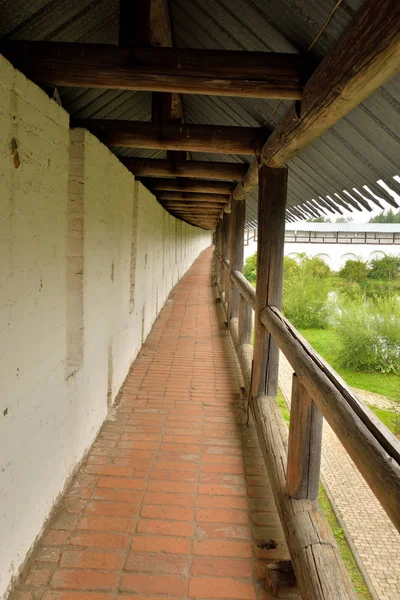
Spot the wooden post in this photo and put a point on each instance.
(225, 273)
(245, 321)
(271, 238)
(305, 441)
(236, 250)
(218, 236)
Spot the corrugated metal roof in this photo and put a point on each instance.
(359, 150)
(345, 227)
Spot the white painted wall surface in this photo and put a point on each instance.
(335, 255)
(47, 419)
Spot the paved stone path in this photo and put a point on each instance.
(171, 500)
(374, 537)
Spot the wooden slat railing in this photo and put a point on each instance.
(293, 464)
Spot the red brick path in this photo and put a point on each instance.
(172, 499)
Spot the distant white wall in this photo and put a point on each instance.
(87, 259)
(334, 254)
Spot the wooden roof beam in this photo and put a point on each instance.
(156, 167)
(188, 185)
(182, 71)
(365, 57)
(192, 196)
(174, 136)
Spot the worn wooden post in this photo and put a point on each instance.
(271, 238)
(236, 251)
(245, 321)
(305, 440)
(225, 255)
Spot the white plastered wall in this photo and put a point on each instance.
(48, 416)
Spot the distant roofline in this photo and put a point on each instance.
(345, 227)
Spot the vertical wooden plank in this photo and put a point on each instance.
(236, 250)
(218, 250)
(305, 442)
(271, 239)
(245, 321)
(226, 276)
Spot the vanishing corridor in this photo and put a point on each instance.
(172, 499)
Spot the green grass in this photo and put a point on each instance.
(388, 418)
(326, 343)
(349, 561)
(347, 556)
(284, 407)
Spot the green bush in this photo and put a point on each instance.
(290, 267)
(313, 266)
(305, 301)
(250, 269)
(386, 268)
(369, 334)
(354, 270)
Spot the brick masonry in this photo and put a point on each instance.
(173, 499)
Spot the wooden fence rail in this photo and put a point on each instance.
(293, 464)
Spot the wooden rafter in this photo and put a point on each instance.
(188, 185)
(182, 196)
(155, 167)
(185, 71)
(173, 136)
(365, 57)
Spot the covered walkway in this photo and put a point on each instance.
(172, 499)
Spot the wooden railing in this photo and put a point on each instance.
(293, 461)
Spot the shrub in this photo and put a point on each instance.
(369, 334)
(305, 301)
(290, 267)
(250, 268)
(314, 267)
(385, 268)
(354, 270)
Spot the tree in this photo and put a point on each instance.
(386, 217)
(354, 270)
(344, 220)
(250, 269)
(319, 220)
(386, 268)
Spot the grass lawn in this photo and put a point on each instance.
(326, 343)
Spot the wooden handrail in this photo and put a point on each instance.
(244, 287)
(373, 448)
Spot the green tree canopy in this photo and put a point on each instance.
(386, 217)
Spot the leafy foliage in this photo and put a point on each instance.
(313, 266)
(385, 268)
(305, 301)
(318, 220)
(290, 267)
(386, 217)
(250, 269)
(354, 270)
(369, 334)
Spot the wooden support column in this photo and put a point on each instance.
(225, 255)
(245, 321)
(305, 441)
(236, 250)
(271, 239)
(219, 269)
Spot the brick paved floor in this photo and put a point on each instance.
(375, 538)
(172, 498)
